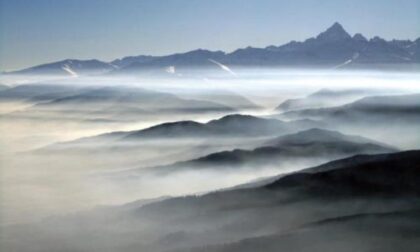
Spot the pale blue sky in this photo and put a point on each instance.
(39, 31)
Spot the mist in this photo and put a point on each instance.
(74, 146)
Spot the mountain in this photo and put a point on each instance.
(318, 145)
(126, 61)
(38, 92)
(393, 119)
(323, 98)
(193, 59)
(235, 124)
(214, 132)
(367, 175)
(362, 203)
(230, 125)
(107, 103)
(333, 48)
(345, 199)
(69, 67)
(320, 135)
(368, 109)
(172, 130)
(335, 33)
(225, 97)
(146, 99)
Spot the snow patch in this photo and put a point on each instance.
(224, 67)
(355, 56)
(69, 70)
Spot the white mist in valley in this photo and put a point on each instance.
(40, 178)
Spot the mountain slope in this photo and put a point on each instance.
(146, 99)
(219, 132)
(69, 67)
(396, 118)
(373, 108)
(230, 125)
(126, 61)
(383, 174)
(323, 98)
(106, 103)
(314, 145)
(362, 203)
(318, 135)
(360, 232)
(344, 196)
(38, 92)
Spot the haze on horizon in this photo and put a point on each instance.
(37, 32)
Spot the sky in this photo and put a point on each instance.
(40, 31)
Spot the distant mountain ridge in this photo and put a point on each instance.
(389, 106)
(70, 67)
(323, 98)
(232, 125)
(333, 48)
(292, 148)
(103, 103)
(397, 115)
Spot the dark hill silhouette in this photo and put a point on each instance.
(317, 144)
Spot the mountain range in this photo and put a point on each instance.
(324, 98)
(233, 125)
(362, 203)
(316, 145)
(393, 119)
(391, 109)
(333, 48)
(106, 103)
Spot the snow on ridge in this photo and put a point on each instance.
(67, 68)
(224, 67)
(355, 56)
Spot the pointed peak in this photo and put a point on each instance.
(337, 25)
(359, 37)
(334, 33)
(337, 28)
(377, 39)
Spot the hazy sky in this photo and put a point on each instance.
(39, 31)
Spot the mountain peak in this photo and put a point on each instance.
(337, 25)
(359, 37)
(335, 33)
(377, 39)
